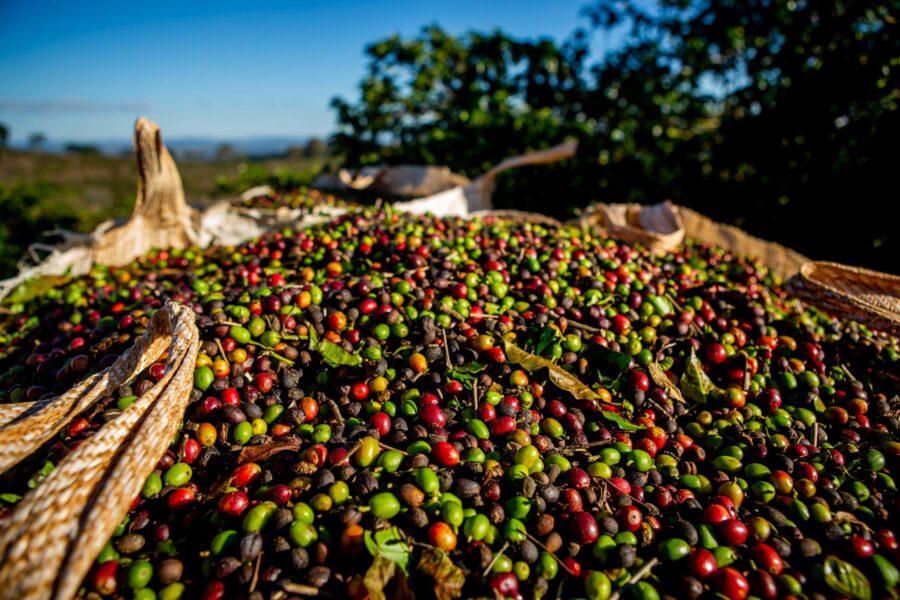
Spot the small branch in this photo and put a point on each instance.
(255, 578)
(495, 559)
(383, 445)
(355, 449)
(222, 352)
(643, 572)
(547, 550)
(582, 326)
(446, 349)
(299, 588)
(332, 405)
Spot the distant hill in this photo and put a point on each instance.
(198, 148)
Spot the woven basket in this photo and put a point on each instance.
(53, 535)
(782, 261)
(658, 227)
(518, 216)
(853, 293)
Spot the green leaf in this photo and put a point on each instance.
(379, 576)
(610, 363)
(448, 578)
(548, 336)
(388, 544)
(846, 579)
(662, 380)
(333, 354)
(472, 367)
(336, 356)
(10, 498)
(35, 288)
(619, 420)
(561, 378)
(167, 547)
(695, 383)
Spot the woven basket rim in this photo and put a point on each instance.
(514, 214)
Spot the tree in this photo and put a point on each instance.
(774, 115)
(462, 101)
(315, 148)
(227, 153)
(83, 149)
(4, 135)
(785, 109)
(36, 141)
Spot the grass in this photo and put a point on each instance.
(39, 192)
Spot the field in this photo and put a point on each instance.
(39, 192)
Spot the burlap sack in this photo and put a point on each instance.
(161, 219)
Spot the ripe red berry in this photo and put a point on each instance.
(503, 425)
(716, 514)
(734, 532)
(620, 324)
(861, 547)
(445, 454)
(231, 397)
(180, 498)
(584, 528)
(767, 558)
(245, 474)
(360, 391)
(264, 382)
(732, 584)
(381, 421)
(630, 517)
(432, 416)
(191, 451)
(233, 504)
(639, 380)
(280, 494)
(702, 563)
(715, 353)
(104, 578)
(578, 478)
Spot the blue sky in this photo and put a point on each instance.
(84, 70)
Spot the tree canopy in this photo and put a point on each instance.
(779, 116)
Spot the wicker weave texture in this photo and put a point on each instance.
(870, 297)
(50, 540)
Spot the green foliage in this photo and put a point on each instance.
(255, 174)
(441, 99)
(778, 116)
(26, 213)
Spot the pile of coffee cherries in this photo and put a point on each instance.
(303, 198)
(395, 406)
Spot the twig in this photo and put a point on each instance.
(582, 326)
(222, 352)
(446, 349)
(475, 394)
(403, 452)
(353, 451)
(332, 405)
(299, 588)
(255, 578)
(495, 559)
(547, 550)
(572, 449)
(637, 576)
